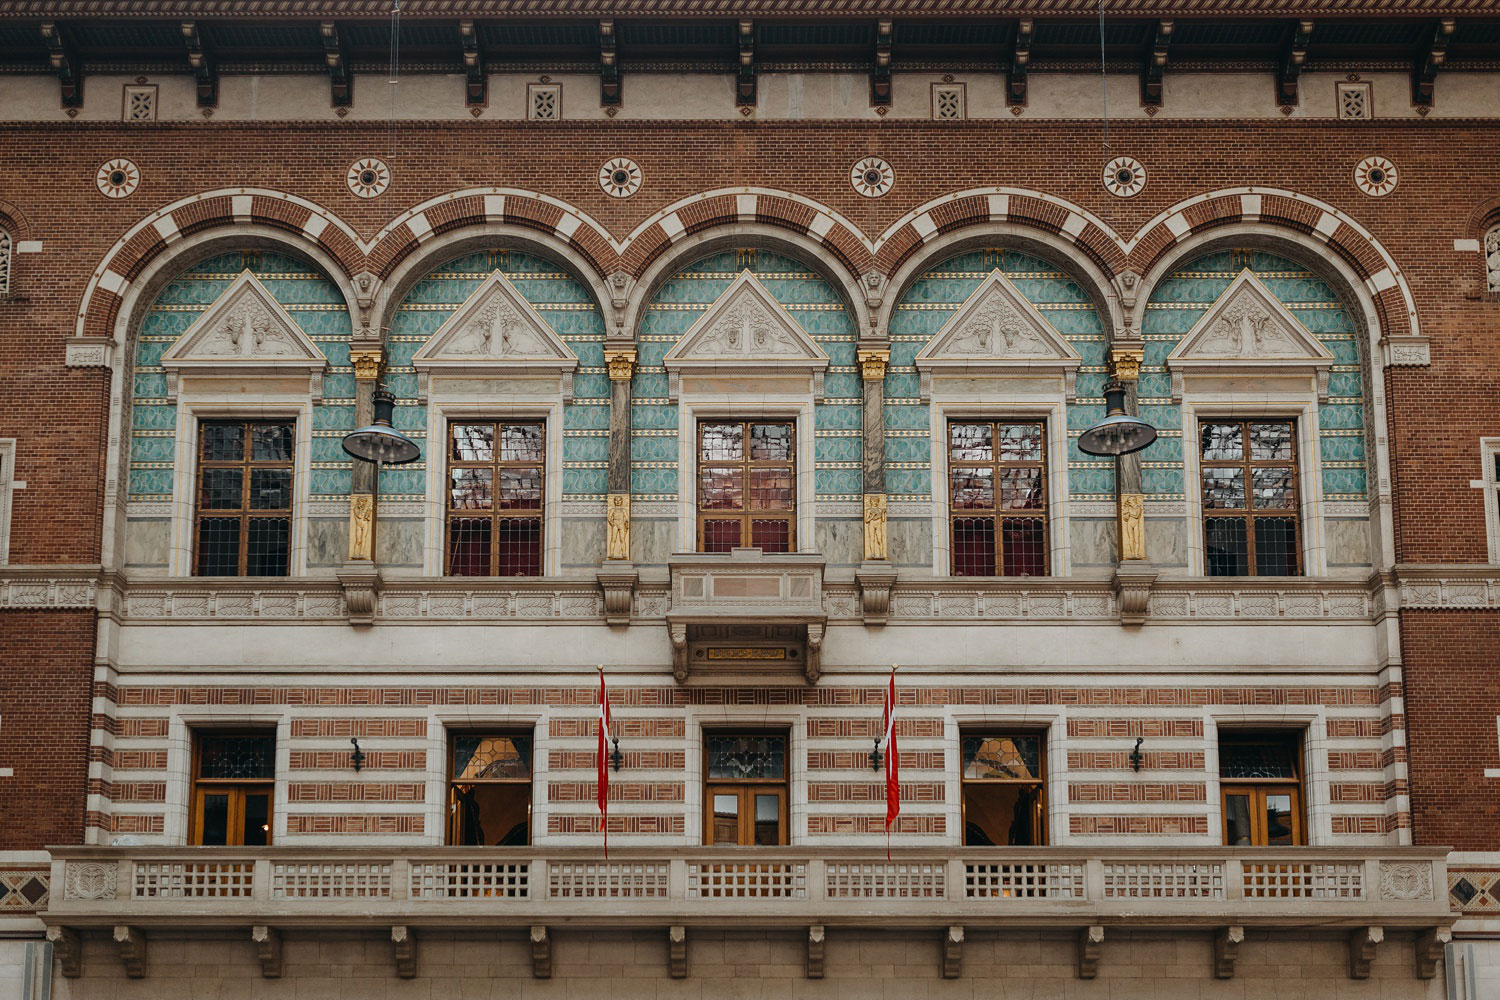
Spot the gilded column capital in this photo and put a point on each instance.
(366, 363)
(621, 365)
(1126, 362)
(872, 364)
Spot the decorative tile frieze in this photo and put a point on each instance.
(1448, 587)
(36, 588)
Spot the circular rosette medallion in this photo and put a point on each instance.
(620, 177)
(872, 177)
(368, 178)
(1375, 176)
(1124, 177)
(118, 178)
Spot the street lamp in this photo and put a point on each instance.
(380, 442)
(1118, 433)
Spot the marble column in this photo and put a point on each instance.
(617, 577)
(872, 364)
(366, 362)
(1129, 494)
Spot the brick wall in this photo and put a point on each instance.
(45, 662)
(1452, 700)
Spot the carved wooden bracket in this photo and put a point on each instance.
(1429, 950)
(1227, 942)
(541, 952)
(132, 944)
(1090, 947)
(816, 942)
(953, 951)
(875, 582)
(1362, 945)
(361, 583)
(1133, 582)
(67, 948)
(677, 951)
(267, 941)
(618, 584)
(404, 949)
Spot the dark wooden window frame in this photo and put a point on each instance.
(745, 515)
(495, 513)
(450, 762)
(1250, 513)
(746, 789)
(997, 514)
(236, 788)
(1040, 781)
(1259, 788)
(244, 513)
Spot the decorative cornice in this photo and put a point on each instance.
(45, 588)
(1448, 587)
(712, 8)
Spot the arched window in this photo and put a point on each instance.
(1492, 259)
(5, 262)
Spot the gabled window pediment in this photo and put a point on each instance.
(997, 332)
(1247, 331)
(746, 332)
(244, 332)
(497, 334)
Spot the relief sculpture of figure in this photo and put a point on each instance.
(1132, 526)
(361, 526)
(875, 540)
(617, 527)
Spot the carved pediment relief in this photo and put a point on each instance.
(1248, 331)
(495, 334)
(747, 332)
(998, 332)
(244, 332)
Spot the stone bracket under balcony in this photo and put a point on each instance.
(747, 610)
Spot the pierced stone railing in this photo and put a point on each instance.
(1058, 886)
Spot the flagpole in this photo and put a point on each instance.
(892, 765)
(603, 762)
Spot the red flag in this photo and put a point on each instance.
(892, 767)
(603, 756)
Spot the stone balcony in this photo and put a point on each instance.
(133, 893)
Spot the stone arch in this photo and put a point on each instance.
(1053, 248)
(767, 208)
(457, 240)
(586, 244)
(295, 222)
(1354, 289)
(127, 310)
(690, 248)
(1311, 220)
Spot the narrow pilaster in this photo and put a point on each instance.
(366, 362)
(872, 364)
(1129, 494)
(621, 366)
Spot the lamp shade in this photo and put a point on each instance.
(1118, 433)
(380, 442)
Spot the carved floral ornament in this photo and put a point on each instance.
(244, 332)
(496, 334)
(1248, 331)
(996, 332)
(746, 332)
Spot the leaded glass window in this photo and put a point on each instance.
(496, 477)
(1004, 796)
(746, 486)
(1250, 497)
(997, 497)
(1260, 778)
(234, 781)
(244, 502)
(745, 789)
(489, 789)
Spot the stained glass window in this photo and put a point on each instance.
(746, 486)
(5, 251)
(741, 758)
(489, 791)
(1261, 788)
(1250, 501)
(479, 757)
(1004, 800)
(997, 498)
(745, 789)
(233, 788)
(1002, 757)
(496, 476)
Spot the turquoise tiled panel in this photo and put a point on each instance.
(916, 482)
(681, 301)
(839, 449)
(908, 449)
(1091, 481)
(404, 480)
(585, 449)
(334, 482)
(328, 449)
(1183, 297)
(563, 303)
(1163, 449)
(1158, 481)
(905, 418)
(903, 386)
(313, 302)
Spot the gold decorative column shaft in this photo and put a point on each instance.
(1130, 499)
(621, 365)
(872, 366)
(366, 362)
